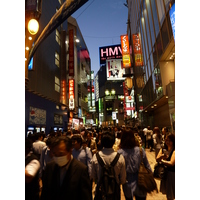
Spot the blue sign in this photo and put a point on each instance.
(172, 19)
(30, 66)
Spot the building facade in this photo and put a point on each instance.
(153, 22)
(47, 105)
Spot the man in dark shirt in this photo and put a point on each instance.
(65, 177)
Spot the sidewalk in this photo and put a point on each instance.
(153, 196)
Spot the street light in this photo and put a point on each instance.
(33, 26)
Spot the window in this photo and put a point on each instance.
(155, 16)
(164, 34)
(58, 36)
(161, 11)
(57, 59)
(57, 84)
(150, 21)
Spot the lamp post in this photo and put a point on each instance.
(32, 15)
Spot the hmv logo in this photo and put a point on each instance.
(110, 52)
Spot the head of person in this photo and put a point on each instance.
(77, 141)
(164, 130)
(148, 127)
(156, 130)
(128, 140)
(62, 150)
(107, 139)
(170, 140)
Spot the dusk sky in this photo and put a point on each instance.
(101, 23)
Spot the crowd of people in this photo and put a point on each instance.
(64, 165)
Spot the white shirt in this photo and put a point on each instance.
(108, 154)
(38, 146)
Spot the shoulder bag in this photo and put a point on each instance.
(146, 182)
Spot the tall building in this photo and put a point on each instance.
(57, 78)
(151, 31)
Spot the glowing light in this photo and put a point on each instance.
(33, 26)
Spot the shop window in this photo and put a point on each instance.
(164, 34)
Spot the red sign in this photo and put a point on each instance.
(71, 94)
(125, 51)
(137, 50)
(71, 52)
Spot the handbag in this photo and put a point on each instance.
(160, 171)
(146, 182)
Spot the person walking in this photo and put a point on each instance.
(131, 152)
(81, 152)
(167, 185)
(38, 144)
(157, 140)
(65, 177)
(108, 154)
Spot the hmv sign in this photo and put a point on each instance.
(110, 52)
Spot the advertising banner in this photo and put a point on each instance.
(125, 51)
(71, 52)
(115, 70)
(110, 52)
(172, 18)
(137, 50)
(66, 10)
(71, 94)
(37, 116)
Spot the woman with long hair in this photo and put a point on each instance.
(130, 149)
(167, 157)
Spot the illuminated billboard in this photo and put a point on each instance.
(125, 51)
(172, 18)
(110, 52)
(137, 50)
(114, 69)
(71, 94)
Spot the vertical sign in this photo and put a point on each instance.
(71, 94)
(137, 50)
(125, 51)
(71, 52)
(172, 18)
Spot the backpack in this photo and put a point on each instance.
(107, 188)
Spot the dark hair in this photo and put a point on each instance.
(171, 137)
(128, 139)
(67, 140)
(78, 138)
(108, 139)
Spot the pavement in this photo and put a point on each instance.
(154, 195)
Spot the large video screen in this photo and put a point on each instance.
(114, 69)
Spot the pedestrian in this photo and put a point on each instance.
(157, 140)
(131, 151)
(38, 144)
(32, 166)
(149, 138)
(65, 177)
(81, 152)
(167, 185)
(91, 143)
(108, 154)
(46, 155)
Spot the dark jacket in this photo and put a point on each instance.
(75, 186)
